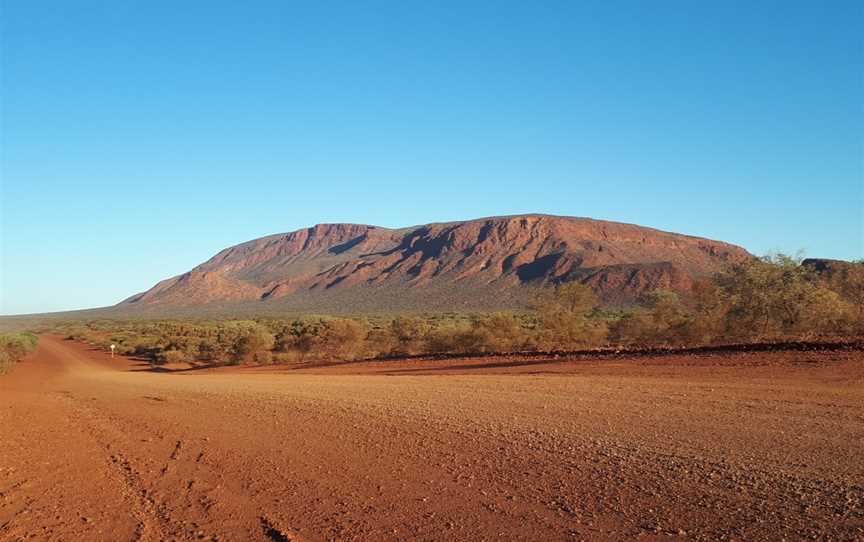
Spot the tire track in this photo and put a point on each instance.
(154, 521)
(756, 447)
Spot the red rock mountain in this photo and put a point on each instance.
(476, 264)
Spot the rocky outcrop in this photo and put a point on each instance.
(197, 288)
(499, 254)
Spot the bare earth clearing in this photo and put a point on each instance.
(734, 446)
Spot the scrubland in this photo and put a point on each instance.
(766, 300)
(13, 347)
(256, 430)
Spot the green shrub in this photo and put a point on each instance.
(172, 356)
(457, 339)
(301, 337)
(254, 339)
(263, 357)
(14, 346)
(341, 339)
(6, 361)
(847, 281)
(381, 342)
(565, 321)
(408, 334)
(776, 296)
(286, 357)
(500, 332)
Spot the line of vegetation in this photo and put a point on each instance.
(763, 300)
(13, 347)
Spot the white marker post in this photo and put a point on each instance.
(112, 350)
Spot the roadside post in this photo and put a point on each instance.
(112, 350)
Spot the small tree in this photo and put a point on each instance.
(455, 339)
(408, 334)
(777, 296)
(634, 327)
(847, 281)
(564, 317)
(499, 332)
(342, 338)
(300, 337)
(661, 321)
(254, 339)
(709, 307)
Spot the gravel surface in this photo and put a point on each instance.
(720, 446)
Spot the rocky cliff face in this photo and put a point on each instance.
(484, 257)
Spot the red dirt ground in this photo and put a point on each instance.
(747, 446)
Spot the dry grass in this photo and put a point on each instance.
(13, 347)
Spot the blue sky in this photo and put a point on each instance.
(138, 138)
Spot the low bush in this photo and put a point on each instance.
(407, 335)
(300, 337)
(567, 318)
(286, 357)
(341, 339)
(500, 332)
(13, 347)
(773, 298)
(172, 356)
(456, 339)
(251, 342)
(263, 357)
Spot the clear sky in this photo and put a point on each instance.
(138, 138)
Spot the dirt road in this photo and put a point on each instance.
(749, 446)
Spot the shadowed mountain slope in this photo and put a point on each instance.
(476, 264)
